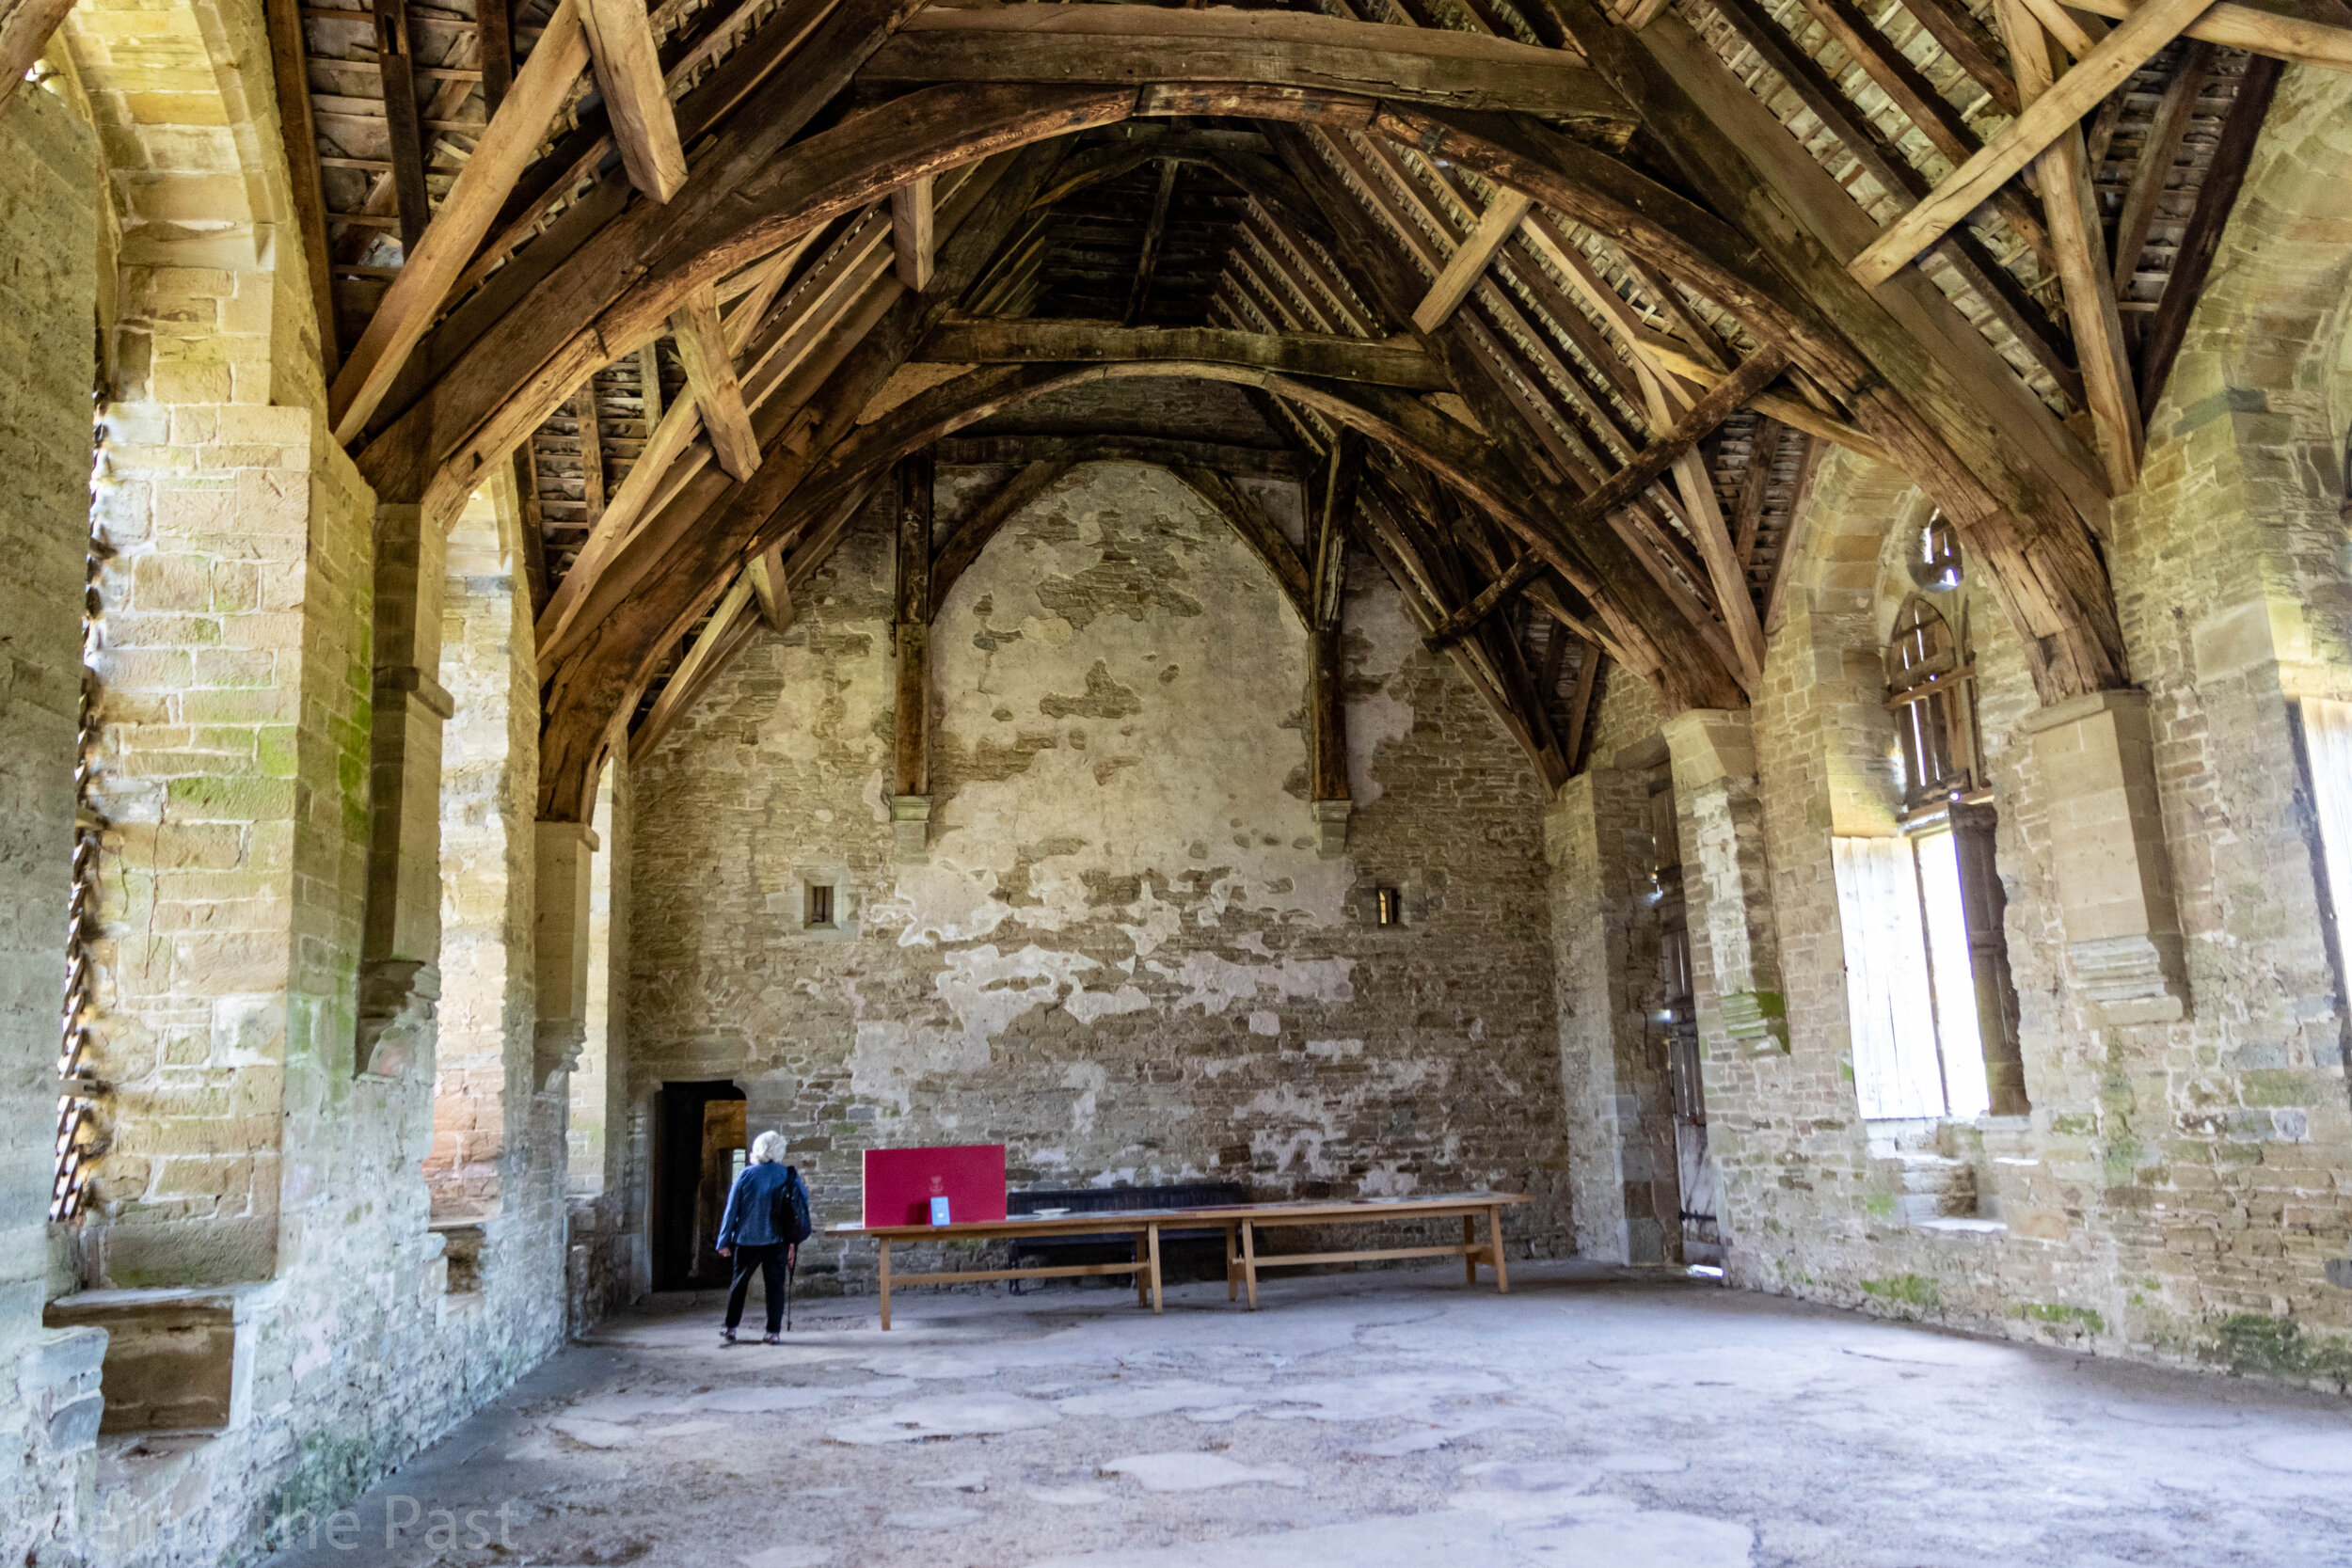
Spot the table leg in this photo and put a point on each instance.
(885, 1287)
(1233, 1265)
(1249, 1261)
(1469, 1240)
(1143, 1279)
(1155, 1268)
(1494, 1240)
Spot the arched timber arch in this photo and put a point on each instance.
(620, 287)
(667, 579)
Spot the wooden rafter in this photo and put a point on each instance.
(701, 348)
(25, 28)
(1155, 231)
(968, 341)
(913, 234)
(1469, 261)
(396, 66)
(2201, 240)
(436, 256)
(1124, 44)
(629, 70)
(2109, 65)
(2064, 174)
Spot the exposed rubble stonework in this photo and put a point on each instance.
(2178, 1189)
(1124, 956)
(1312, 789)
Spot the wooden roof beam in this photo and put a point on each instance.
(2232, 26)
(728, 630)
(970, 341)
(434, 262)
(1125, 44)
(913, 236)
(629, 71)
(1470, 259)
(2073, 95)
(2064, 174)
(25, 28)
(701, 348)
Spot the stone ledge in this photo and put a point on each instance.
(178, 1359)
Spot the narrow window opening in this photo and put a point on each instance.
(1932, 1007)
(818, 907)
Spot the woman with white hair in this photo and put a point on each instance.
(766, 1221)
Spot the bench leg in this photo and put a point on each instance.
(885, 1287)
(1469, 1240)
(1233, 1266)
(1494, 1240)
(1155, 1268)
(1249, 1261)
(1143, 1278)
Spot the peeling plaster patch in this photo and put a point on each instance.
(1215, 983)
(875, 801)
(889, 1057)
(1088, 1078)
(1291, 1128)
(1087, 1006)
(943, 902)
(1156, 920)
(987, 989)
(1335, 1049)
(1116, 578)
(1262, 1022)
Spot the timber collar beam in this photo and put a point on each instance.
(1126, 45)
(1011, 342)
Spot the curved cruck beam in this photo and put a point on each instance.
(632, 623)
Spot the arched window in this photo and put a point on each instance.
(1933, 1008)
(1931, 687)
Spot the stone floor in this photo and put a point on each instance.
(1371, 1421)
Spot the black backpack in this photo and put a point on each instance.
(788, 1215)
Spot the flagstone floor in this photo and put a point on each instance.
(1592, 1416)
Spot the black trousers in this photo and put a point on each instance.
(769, 1262)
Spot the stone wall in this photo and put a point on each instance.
(1122, 957)
(2177, 1191)
(48, 327)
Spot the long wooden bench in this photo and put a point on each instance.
(1239, 1223)
(1099, 1200)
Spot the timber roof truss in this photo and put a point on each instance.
(1551, 310)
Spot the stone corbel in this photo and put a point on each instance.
(1331, 827)
(2096, 760)
(1729, 883)
(911, 829)
(400, 985)
(565, 855)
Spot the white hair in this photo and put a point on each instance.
(768, 1149)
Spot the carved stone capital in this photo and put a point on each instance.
(1331, 827)
(555, 1049)
(398, 1006)
(911, 829)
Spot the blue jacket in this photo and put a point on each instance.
(752, 1216)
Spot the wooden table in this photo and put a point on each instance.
(1241, 1224)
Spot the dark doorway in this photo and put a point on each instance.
(698, 1137)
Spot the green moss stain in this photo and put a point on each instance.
(2060, 1315)
(1911, 1290)
(2254, 1345)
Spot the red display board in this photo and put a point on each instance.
(902, 1182)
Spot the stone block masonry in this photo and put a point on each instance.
(1125, 956)
(48, 313)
